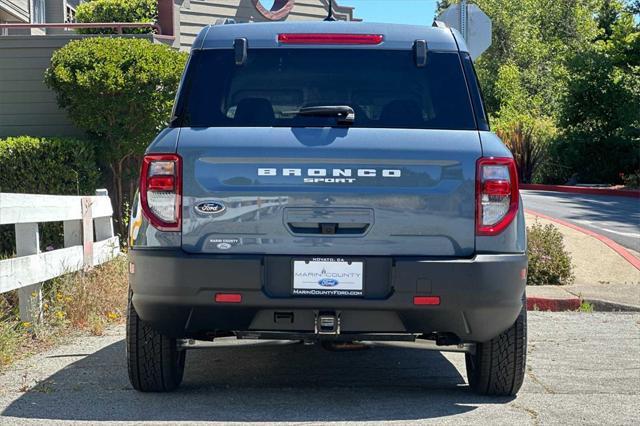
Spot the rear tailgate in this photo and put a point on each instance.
(329, 191)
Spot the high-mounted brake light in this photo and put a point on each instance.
(161, 190)
(323, 38)
(497, 196)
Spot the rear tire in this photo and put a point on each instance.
(498, 366)
(154, 362)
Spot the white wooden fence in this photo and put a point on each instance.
(88, 241)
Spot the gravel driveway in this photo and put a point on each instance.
(582, 369)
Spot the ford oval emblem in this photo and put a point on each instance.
(328, 282)
(210, 208)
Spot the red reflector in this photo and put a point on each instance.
(324, 38)
(426, 300)
(228, 298)
(497, 187)
(161, 183)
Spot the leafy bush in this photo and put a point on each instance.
(117, 11)
(121, 92)
(631, 180)
(59, 166)
(549, 262)
(527, 138)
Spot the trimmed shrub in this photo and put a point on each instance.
(549, 262)
(121, 92)
(117, 11)
(59, 166)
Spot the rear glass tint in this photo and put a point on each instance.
(384, 87)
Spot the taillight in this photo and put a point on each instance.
(497, 195)
(161, 190)
(324, 38)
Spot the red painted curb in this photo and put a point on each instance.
(553, 305)
(634, 261)
(582, 190)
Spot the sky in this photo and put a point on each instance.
(418, 12)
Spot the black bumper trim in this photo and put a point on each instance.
(480, 297)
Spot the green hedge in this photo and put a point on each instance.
(58, 166)
(117, 11)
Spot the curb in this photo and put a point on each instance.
(553, 305)
(634, 261)
(548, 304)
(581, 190)
(606, 306)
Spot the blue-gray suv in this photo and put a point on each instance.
(330, 182)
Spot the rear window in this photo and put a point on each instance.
(384, 88)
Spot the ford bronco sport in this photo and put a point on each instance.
(330, 182)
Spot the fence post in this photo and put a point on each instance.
(29, 298)
(87, 233)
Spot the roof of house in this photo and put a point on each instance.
(265, 35)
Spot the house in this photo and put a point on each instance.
(183, 19)
(28, 107)
(36, 12)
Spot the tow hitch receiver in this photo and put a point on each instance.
(327, 323)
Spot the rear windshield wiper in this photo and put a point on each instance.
(344, 113)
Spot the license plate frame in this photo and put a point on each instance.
(327, 277)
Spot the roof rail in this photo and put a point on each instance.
(224, 21)
(439, 24)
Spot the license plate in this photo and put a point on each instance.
(327, 277)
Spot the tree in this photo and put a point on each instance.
(600, 112)
(121, 92)
(566, 70)
(535, 36)
(442, 5)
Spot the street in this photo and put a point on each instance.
(615, 217)
(582, 369)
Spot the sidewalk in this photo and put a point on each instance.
(603, 277)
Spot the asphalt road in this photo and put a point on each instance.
(582, 369)
(615, 217)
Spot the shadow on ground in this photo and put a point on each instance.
(260, 382)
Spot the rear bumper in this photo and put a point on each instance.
(175, 292)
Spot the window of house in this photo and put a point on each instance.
(38, 10)
(69, 14)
